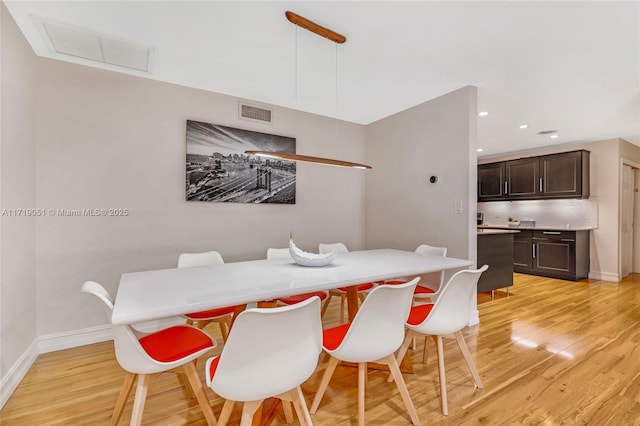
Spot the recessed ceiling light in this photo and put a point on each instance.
(483, 114)
(554, 136)
(479, 150)
(524, 126)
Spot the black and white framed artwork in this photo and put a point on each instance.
(218, 170)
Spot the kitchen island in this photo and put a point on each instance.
(495, 248)
(557, 252)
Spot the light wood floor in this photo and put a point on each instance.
(553, 352)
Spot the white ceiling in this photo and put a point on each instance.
(571, 66)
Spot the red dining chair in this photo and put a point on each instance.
(448, 315)
(374, 335)
(341, 292)
(270, 353)
(222, 316)
(145, 355)
(283, 253)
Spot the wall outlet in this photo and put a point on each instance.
(457, 208)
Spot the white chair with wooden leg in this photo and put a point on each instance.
(341, 292)
(283, 253)
(447, 316)
(430, 285)
(376, 332)
(222, 316)
(145, 356)
(270, 353)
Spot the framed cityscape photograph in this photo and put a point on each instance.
(218, 170)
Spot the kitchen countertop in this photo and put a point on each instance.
(539, 228)
(489, 231)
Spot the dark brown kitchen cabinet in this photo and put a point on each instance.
(522, 178)
(563, 175)
(557, 254)
(491, 181)
(523, 252)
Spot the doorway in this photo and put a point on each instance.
(629, 215)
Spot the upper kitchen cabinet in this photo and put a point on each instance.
(491, 182)
(563, 175)
(522, 179)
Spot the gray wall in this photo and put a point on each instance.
(403, 209)
(108, 140)
(17, 191)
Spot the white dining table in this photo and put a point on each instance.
(151, 295)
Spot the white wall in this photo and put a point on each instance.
(17, 191)
(107, 140)
(604, 183)
(403, 209)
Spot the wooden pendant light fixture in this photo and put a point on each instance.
(314, 28)
(336, 38)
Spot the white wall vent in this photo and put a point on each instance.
(255, 113)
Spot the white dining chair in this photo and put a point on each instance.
(429, 287)
(145, 355)
(448, 315)
(283, 253)
(341, 292)
(270, 353)
(376, 332)
(222, 316)
(431, 283)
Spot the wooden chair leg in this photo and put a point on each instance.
(122, 398)
(343, 298)
(325, 305)
(288, 410)
(467, 357)
(425, 350)
(442, 376)
(248, 409)
(142, 387)
(225, 414)
(402, 387)
(186, 388)
(225, 326)
(328, 372)
(303, 416)
(198, 390)
(403, 350)
(362, 375)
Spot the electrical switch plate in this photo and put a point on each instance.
(458, 207)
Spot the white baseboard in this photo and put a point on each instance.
(604, 276)
(73, 339)
(17, 372)
(101, 333)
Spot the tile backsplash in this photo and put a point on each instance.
(552, 213)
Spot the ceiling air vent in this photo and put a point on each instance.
(547, 132)
(70, 40)
(254, 113)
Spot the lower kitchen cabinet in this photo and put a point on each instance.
(557, 254)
